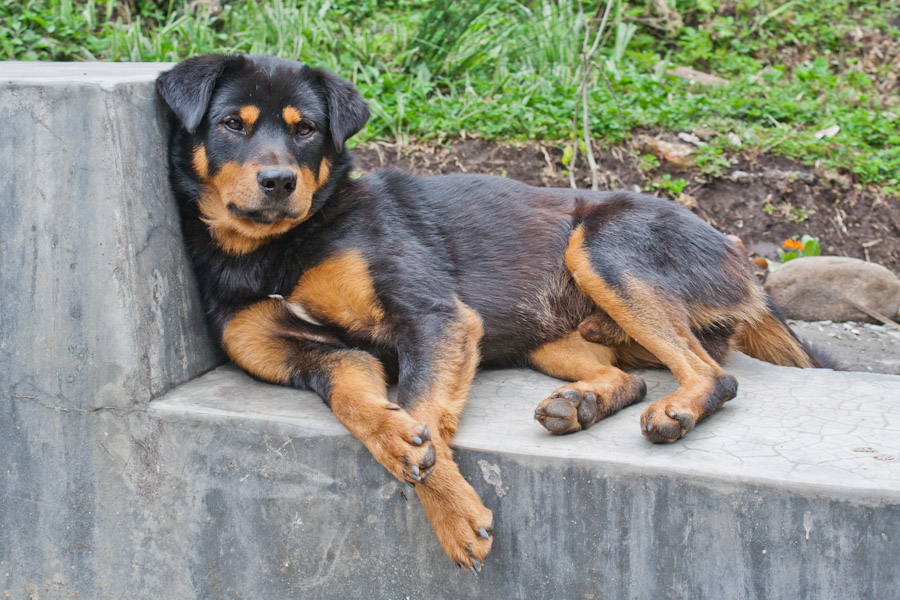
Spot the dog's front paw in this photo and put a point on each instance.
(462, 523)
(403, 445)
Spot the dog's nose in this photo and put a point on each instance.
(276, 182)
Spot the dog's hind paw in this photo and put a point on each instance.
(580, 404)
(567, 410)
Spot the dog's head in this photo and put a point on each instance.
(260, 136)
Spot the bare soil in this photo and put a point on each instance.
(763, 200)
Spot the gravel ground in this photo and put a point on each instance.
(855, 346)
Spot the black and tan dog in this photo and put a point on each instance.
(316, 280)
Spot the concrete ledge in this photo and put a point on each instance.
(771, 497)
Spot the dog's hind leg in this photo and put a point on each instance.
(661, 325)
(599, 389)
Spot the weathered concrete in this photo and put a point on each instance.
(227, 488)
(98, 314)
(98, 308)
(792, 490)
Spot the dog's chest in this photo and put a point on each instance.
(340, 291)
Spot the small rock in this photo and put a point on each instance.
(687, 201)
(760, 263)
(828, 132)
(734, 139)
(676, 154)
(696, 76)
(691, 138)
(822, 287)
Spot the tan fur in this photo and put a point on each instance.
(455, 511)
(454, 369)
(661, 327)
(200, 162)
(452, 505)
(291, 115)
(237, 184)
(768, 339)
(591, 368)
(340, 290)
(324, 173)
(252, 339)
(249, 115)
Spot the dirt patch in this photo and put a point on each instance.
(763, 200)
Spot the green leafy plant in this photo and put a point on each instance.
(510, 70)
(667, 186)
(807, 245)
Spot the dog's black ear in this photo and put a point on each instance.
(188, 87)
(347, 111)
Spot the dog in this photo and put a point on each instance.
(317, 280)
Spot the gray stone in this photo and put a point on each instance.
(825, 287)
(96, 291)
(865, 347)
(771, 497)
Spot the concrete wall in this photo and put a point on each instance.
(98, 314)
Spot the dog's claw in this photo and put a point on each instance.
(393, 406)
(415, 470)
(417, 440)
(483, 533)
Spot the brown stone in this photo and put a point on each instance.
(826, 287)
(676, 154)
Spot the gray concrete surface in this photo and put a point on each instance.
(227, 488)
(98, 314)
(792, 490)
(862, 347)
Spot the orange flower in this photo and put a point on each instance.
(793, 244)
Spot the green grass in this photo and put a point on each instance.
(510, 70)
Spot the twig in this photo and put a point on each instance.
(615, 98)
(873, 313)
(586, 61)
(549, 161)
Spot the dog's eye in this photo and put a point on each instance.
(234, 124)
(304, 129)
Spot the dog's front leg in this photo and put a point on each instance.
(437, 363)
(269, 341)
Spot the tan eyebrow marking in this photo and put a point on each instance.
(249, 114)
(291, 115)
(200, 162)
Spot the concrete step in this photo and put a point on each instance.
(792, 490)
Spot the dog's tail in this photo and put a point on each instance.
(769, 338)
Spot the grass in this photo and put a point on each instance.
(508, 70)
